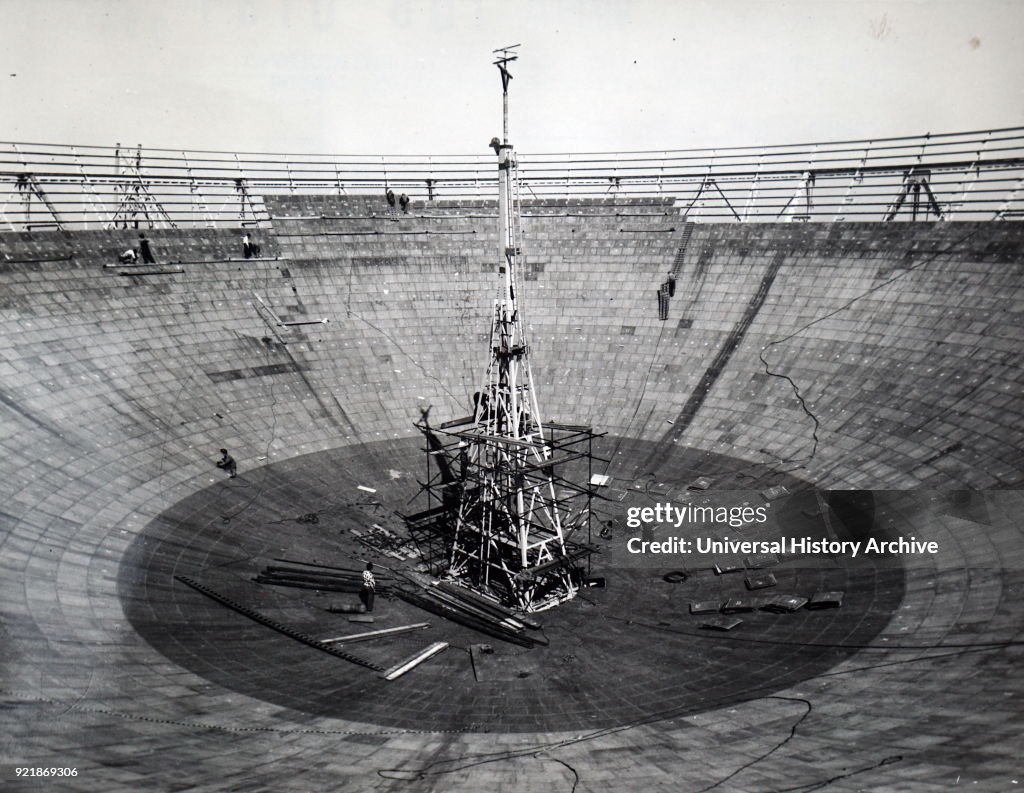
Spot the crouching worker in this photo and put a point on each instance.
(250, 248)
(128, 257)
(369, 587)
(227, 462)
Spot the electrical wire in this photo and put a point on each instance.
(802, 463)
(792, 734)
(636, 409)
(227, 518)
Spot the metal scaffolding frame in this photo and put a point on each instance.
(28, 187)
(503, 517)
(137, 202)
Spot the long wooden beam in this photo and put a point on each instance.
(413, 661)
(362, 637)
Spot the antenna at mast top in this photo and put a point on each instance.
(506, 57)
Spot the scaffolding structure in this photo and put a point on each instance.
(137, 202)
(505, 510)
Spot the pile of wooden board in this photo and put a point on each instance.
(474, 610)
(442, 598)
(319, 577)
(777, 604)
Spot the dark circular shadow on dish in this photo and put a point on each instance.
(629, 652)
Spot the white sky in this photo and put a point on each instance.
(411, 76)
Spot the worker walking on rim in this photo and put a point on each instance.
(369, 587)
(145, 250)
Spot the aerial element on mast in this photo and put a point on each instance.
(502, 62)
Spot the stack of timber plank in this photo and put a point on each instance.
(320, 578)
(473, 610)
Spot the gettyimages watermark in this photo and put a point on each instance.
(728, 529)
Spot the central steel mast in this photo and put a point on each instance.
(505, 508)
(509, 537)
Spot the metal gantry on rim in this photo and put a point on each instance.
(955, 176)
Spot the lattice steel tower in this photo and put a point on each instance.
(507, 525)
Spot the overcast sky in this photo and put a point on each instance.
(411, 77)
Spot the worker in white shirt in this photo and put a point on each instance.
(369, 587)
